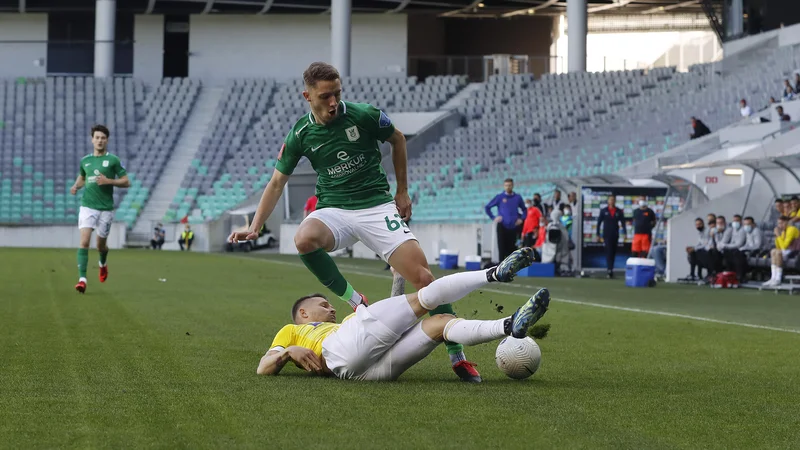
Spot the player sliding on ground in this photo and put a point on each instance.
(354, 200)
(382, 341)
(100, 172)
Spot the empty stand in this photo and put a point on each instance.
(578, 124)
(45, 124)
(237, 157)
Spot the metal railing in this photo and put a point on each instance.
(479, 67)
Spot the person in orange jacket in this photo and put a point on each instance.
(530, 228)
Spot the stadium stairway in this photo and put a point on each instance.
(460, 98)
(185, 150)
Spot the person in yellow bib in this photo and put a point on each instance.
(786, 242)
(187, 237)
(381, 341)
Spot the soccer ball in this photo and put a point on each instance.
(518, 358)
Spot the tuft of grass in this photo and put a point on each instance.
(539, 330)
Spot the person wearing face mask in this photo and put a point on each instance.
(530, 229)
(644, 220)
(753, 236)
(566, 217)
(753, 242)
(720, 238)
(698, 254)
(732, 254)
(566, 220)
(537, 202)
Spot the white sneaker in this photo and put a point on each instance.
(772, 282)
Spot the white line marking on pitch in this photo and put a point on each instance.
(354, 270)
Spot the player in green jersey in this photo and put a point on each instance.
(355, 202)
(100, 173)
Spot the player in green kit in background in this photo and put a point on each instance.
(355, 202)
(100, 173)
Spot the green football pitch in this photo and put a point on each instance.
(142, 363)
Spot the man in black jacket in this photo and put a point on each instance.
(700, 129)
(644, 220)
(609, 222)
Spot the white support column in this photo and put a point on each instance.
(736, 18)
(577, 29)
(340, 35)
(105, 17)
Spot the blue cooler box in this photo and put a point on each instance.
(538, 270)
(472, 262)
(640, 272)
(448, 259)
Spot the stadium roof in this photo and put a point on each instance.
(462, 8)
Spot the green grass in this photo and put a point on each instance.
(139, 363)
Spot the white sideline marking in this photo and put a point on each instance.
(353, 270)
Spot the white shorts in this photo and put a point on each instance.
(379, 228)
(99, 221)
(786, 253)
(366, 348)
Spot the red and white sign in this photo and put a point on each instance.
(712, 180)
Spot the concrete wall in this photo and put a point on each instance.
(29, 31)
(411, 123)
(55, 236)
(282, 46)
(148, 47)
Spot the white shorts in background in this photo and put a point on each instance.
(379, 228)
(99, 221)
(364, 348)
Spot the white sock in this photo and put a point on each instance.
(773, 271)
(398, 285)
(82, 279)
(778, 274)
(472, 332)
(450, 288)
(355, 299)
(456, 358)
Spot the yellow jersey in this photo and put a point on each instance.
(785, 239)
(307, 335)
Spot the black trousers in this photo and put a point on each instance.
(715, 261)
(528, 240)
(156, 244)
(188, 243)
(735, 260)
(698, 259)
(610, 244)
(506, 240)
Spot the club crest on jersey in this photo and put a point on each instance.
(383, 121)
(352, 133)
(105, 163)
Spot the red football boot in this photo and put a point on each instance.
(81, 287)
(466, 371)
(103, 273)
